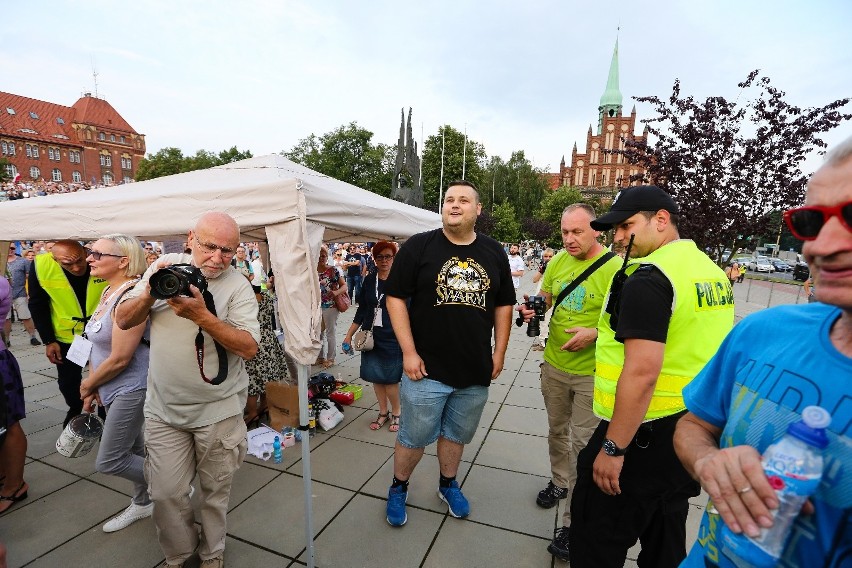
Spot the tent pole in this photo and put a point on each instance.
(303, 372)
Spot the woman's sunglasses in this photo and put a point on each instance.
(97, 255)
(806, 222)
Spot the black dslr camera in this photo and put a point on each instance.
(538, 305)
(175, 280)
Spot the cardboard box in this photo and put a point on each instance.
(283, 403)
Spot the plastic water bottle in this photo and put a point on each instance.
(277, 456)
(794, 467)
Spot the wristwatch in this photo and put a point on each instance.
(611, 449)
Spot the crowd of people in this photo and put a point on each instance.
(11, 191)
(650, 392)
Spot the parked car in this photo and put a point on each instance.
(801, 271)
(780, 265)
(760, 264)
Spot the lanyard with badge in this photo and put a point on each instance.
(81, 347)
(377, 315)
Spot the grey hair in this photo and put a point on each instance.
(584, 206)
(132, 249)
(839, 153)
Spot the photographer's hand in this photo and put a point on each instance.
(583, 337)
(191, 308)
(526, 313)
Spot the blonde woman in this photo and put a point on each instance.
(118, 371)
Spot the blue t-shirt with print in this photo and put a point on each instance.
(769, 368)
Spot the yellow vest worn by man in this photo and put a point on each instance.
(64, 306)
(702, 315)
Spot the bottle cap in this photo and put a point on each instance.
(811, 428)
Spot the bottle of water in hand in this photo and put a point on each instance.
(794, 468)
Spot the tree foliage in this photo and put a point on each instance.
(515, 181)
(347, 153)
(169, 161)
(729, 164)
(4, 175)
(537, 229)
(551, 207)
(507, 229)
(456, 154)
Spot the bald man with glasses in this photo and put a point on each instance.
(194, 417)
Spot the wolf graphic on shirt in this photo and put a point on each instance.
(462, 282)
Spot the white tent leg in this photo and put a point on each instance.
(304, 372)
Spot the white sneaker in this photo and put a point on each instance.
(129, 516)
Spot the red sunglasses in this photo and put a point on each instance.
(806, 222)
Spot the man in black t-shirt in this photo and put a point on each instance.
(460, 289)
(352, 263)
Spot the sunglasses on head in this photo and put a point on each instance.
(806, 222)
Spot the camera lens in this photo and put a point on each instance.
(167, 285)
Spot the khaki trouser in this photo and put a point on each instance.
(174, 456)
(571, 422)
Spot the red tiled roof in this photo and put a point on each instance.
(98, 112)
(45, 125)
(87, 110)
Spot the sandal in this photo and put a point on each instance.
(14, 498)
(379, 422)
(394, 425)
(327, 363)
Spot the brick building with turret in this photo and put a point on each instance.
(597, 172)
(88, 142)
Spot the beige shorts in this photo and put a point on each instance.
(21, 308)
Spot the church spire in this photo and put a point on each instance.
(610, 105)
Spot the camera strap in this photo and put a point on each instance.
(220, 351)
(579, 280)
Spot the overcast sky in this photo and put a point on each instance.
(518, 75)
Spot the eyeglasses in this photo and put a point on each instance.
(384, 257)
(97, 255)
(806, 222)
(210, 248)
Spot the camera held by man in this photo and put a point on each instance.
(538, 305)
(175, 280)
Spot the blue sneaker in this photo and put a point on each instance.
(456, 502)
(396, 514)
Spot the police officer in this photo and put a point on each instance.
(63, 295)
(659, 327)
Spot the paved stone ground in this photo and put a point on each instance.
(59, 525)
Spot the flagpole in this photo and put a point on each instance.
(464, 150)
(441, 183)
(422, 150)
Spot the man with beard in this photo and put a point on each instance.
(195, 426)
(516, 265)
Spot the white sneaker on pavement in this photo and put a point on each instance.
(129, 516)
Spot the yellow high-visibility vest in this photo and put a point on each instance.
(64, 306)
(702, 315)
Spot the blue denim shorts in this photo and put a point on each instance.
(431, 409)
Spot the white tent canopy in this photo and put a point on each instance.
(271, 198)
